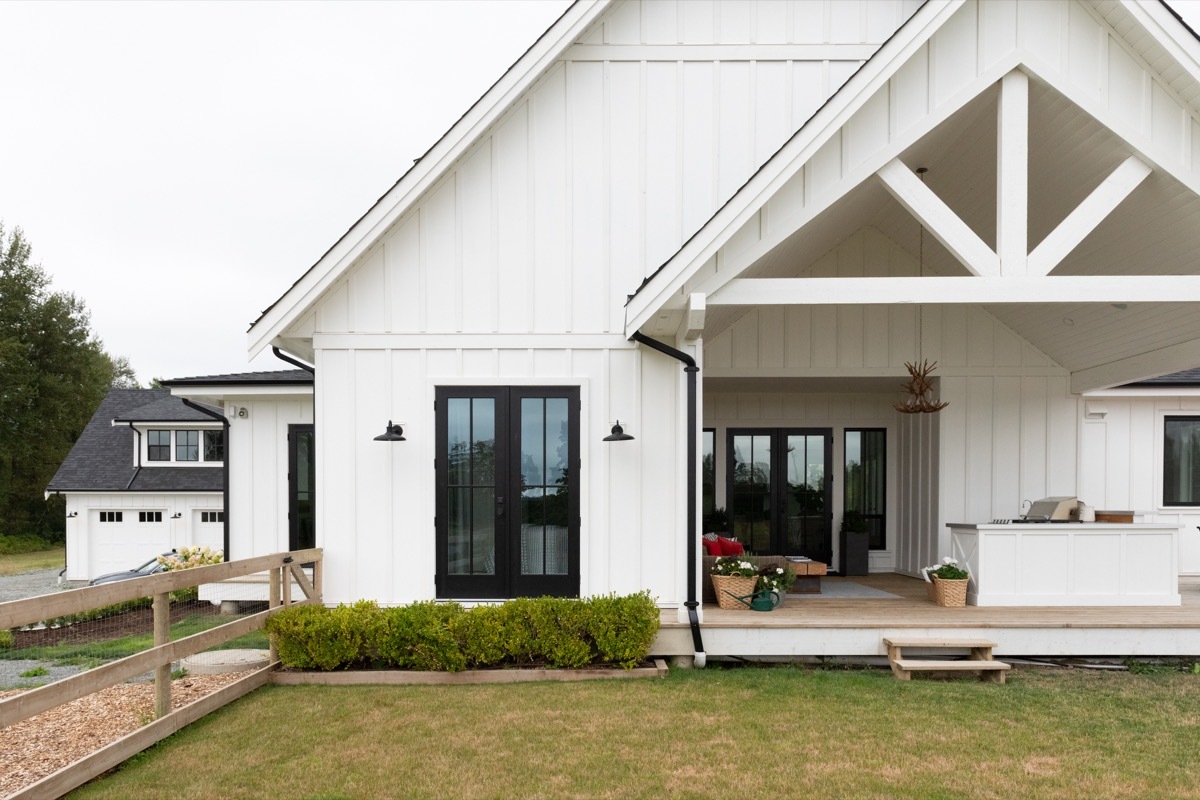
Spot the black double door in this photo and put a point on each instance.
(780, 490)
(507, 473)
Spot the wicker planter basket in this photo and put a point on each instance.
(950, 593)
(730, 587)
(931, 590)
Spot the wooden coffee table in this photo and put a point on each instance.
(808, 576)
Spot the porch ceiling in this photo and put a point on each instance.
(1153, 232)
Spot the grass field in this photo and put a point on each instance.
(55, 558)
(735, 733)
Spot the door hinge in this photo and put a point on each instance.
(435, 522)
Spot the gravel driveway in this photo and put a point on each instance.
(29, 584)
(16, 587)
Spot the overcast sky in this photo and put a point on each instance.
(180, 165)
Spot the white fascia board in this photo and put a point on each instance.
(1169, 32)
(959, 290)
(1165, 360)
(218, 391)
(432, 166)
(746, 202)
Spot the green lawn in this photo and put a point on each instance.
(54, 558)
(738, 733)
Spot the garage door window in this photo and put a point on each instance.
(111, 516)
(149, 516)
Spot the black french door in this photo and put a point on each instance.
(507, 476)
(780, 490)
(302, 487)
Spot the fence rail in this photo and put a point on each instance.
(283, 569)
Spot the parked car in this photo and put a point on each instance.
(151, 567)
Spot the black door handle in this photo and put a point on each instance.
(499, 506)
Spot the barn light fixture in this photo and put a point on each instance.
(73, 514)
(392, 433)
(177, 515)
(618, 434)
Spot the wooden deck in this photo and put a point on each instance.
(815, 625)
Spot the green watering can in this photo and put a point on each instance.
(767, 600)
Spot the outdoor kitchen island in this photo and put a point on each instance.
(1068, 564)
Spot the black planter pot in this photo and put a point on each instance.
(856, 548)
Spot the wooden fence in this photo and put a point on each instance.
(283, 569)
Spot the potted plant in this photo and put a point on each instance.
(855, 543)
(733, 577)
(948, 583)
(775, 578)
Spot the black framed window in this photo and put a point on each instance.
(1181, 461)
(187, 445)
(112, 516)
(214, 445)
(865, 486)
(158, 445)
(212, 516)
(149, 516)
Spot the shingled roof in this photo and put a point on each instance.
(279, 377)
(102, 459)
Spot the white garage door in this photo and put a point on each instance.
(123, 539)
(209, 526)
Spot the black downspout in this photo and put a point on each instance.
(138, 467)
(692, 541)
(224, 467)
(282, 356)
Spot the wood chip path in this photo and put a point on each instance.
(44, 744)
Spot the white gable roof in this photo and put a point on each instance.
(1149, 29)
(424, 174)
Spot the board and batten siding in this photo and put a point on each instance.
(377, 499)
(258, 471)
(1121, 464)
(601, 171)
(1068, 44)
(1009, 434)
(784, 409)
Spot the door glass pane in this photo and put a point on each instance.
(751, 501)
(483, 532)
(458, 426)
(306, 534)
(708, 477)
(458, 532)
(545, 480)
(806, 527)
(483, 441)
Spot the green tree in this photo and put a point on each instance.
(53, 374)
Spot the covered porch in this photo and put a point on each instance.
(812, 625)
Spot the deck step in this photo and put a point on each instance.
(934, 642)
(968, 665)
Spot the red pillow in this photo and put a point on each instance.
(712, 548)
(730, 547)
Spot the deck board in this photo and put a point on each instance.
(914, 610)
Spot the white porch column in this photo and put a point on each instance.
(1012, 174)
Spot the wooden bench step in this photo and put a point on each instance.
(932, 642)
(915, 664)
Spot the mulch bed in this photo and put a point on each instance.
(129, 623)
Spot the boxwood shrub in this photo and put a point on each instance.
(543, 631)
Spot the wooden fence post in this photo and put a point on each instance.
(318, 578)
(274, 575)
(162, 635)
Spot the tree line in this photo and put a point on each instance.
(54, 372)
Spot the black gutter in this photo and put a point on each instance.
(692, 540)
(137, 468)
(282, 356)
(224, 468)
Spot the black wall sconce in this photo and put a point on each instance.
(392, 433)
(618, 434)
(177, 515)
(72, 515)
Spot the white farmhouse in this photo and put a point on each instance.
(729, 226)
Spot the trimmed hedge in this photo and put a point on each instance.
(548, 631)
(15, 544)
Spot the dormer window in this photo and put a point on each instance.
(158, 445)
(187, 445)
